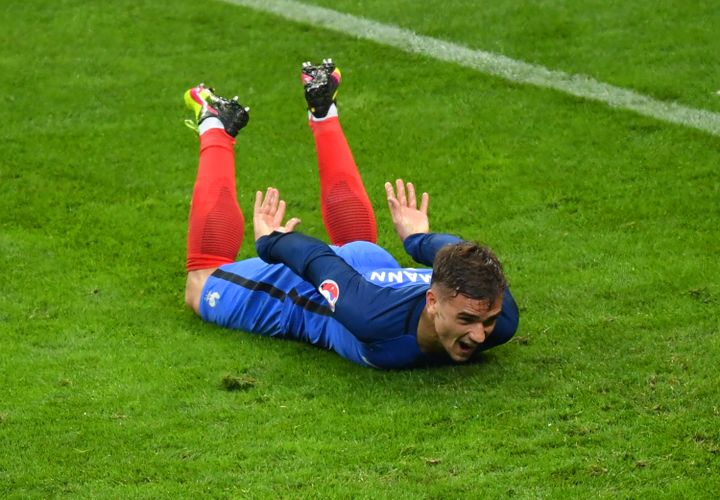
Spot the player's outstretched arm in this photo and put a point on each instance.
(367, 310)
(407, 217)
(268, 214)
(412, 224)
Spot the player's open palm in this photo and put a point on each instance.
(268, 214)
(406, 215)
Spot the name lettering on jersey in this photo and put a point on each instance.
(331, 291)
(400, 277)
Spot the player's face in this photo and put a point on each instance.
(462, 323)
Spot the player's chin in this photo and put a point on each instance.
(461, 353)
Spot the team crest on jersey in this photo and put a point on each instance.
(331, 291)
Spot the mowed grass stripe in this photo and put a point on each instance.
(489, 63)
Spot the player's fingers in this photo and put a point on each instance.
(268, 199)
(412, 202)
(393, 203)
(424, 203)
(274, 200)
(400, 186)
(292, 224)
(280, 213)
(258, 201)
(392, 200)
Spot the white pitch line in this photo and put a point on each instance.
(488, 62)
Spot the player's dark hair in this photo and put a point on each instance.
(470, 269)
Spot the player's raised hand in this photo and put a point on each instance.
(268, 214)
(407, 217)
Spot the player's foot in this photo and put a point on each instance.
(321, 84)
(204, 104)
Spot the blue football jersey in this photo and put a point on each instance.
(355, 300)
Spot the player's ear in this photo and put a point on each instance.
(431, 300)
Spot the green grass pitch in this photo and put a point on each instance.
(607, 223)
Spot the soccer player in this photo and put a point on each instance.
(352, 297)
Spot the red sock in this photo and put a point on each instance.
(215, 229)
(346, 210)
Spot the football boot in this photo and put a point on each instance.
(321, 84)
(204, 103)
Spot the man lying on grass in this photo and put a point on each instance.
(352, 297)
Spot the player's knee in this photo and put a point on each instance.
(194, 286)
(191, 299)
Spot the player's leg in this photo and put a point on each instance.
(216, 224)
(346, 210)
